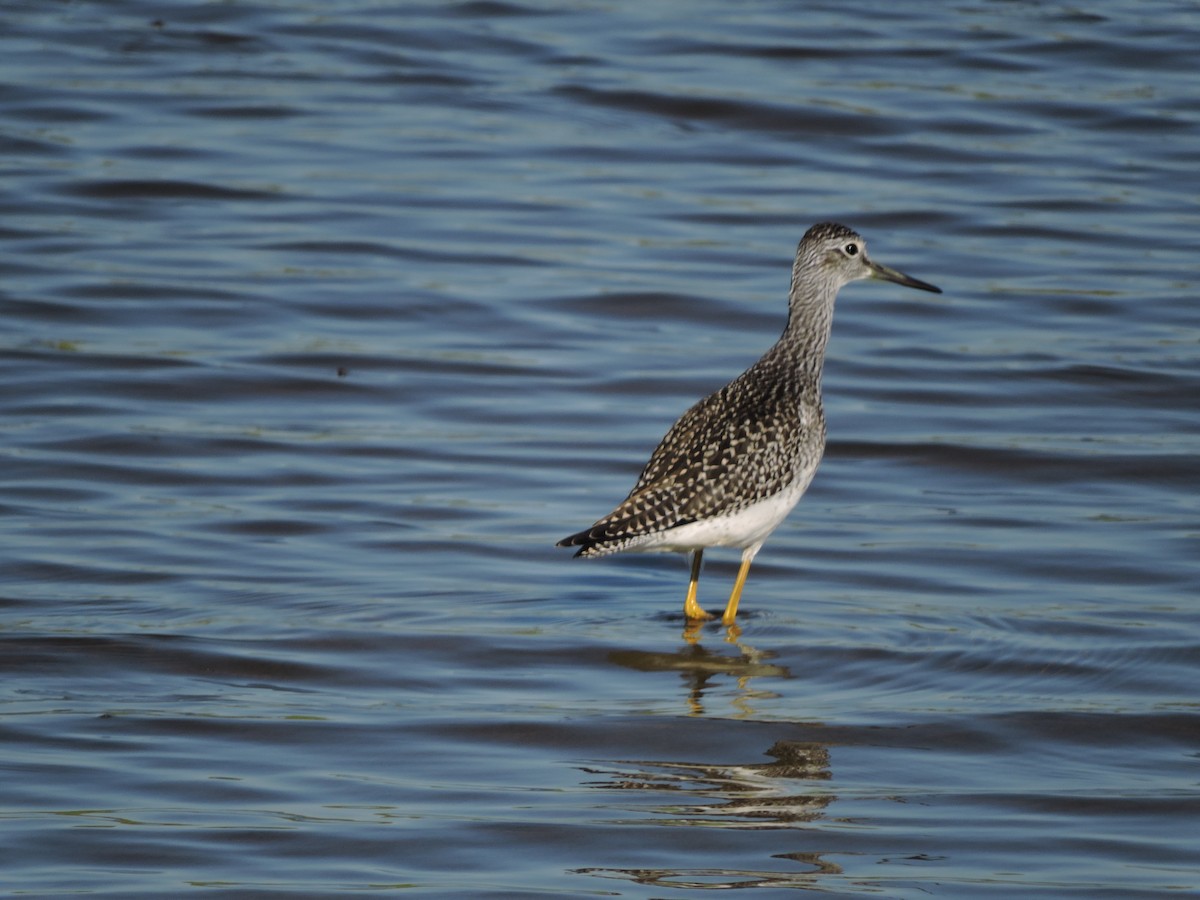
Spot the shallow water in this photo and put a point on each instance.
(321, 327)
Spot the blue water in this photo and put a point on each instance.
(322, 323)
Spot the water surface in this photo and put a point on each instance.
(321, 326)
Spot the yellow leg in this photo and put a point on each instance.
(736, 596)
(691, 608)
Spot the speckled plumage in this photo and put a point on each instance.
(740, 445)
(732, 467)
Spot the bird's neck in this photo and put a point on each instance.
(810, 320)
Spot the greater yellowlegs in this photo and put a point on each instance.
(733, 466)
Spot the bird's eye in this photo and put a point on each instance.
(851, 249)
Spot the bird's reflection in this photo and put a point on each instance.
(699, 667)
(782, 793)
(726, 879)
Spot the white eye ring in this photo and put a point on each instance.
(851, 249)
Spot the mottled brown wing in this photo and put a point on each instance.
(735, 447)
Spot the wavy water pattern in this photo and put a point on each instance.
(321, 325)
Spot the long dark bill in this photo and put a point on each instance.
(881, 271)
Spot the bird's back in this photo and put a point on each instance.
(747, 442)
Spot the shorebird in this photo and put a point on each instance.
(731, 468)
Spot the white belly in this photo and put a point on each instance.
(744, 529)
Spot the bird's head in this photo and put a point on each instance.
(833, 252)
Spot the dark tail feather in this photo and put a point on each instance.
(581, 539)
